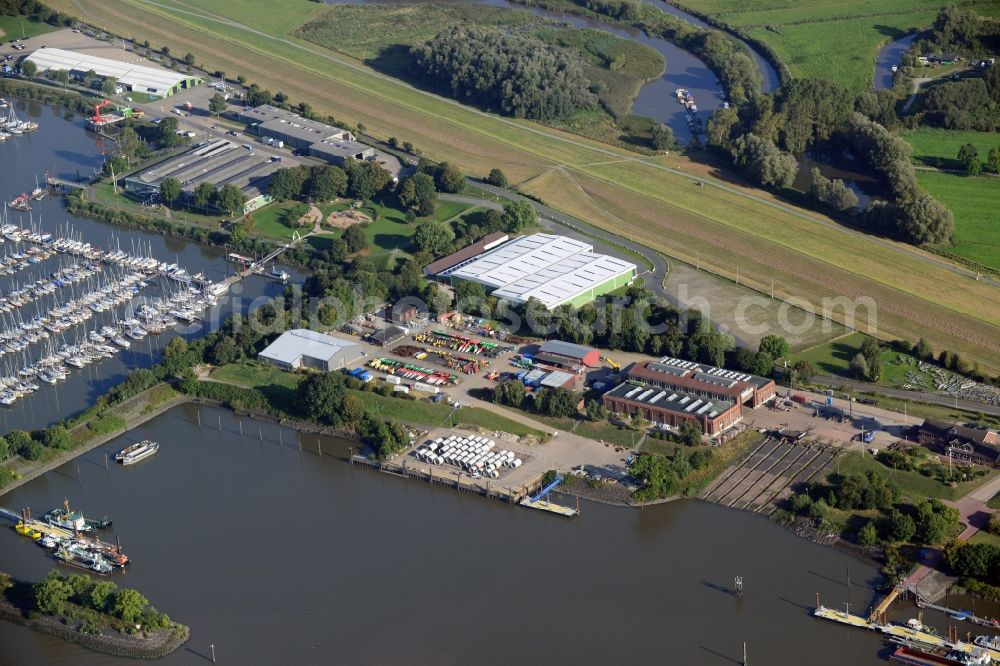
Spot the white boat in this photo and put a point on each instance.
(136, 452)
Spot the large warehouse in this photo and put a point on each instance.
(220, 162)
(301, 348)
(155, 81)
(555, 270)
(317, 139)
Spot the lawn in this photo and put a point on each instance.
(983, 536)
(651, 201)
(939, 147)
(835, 356)
(974, 202)
(278, 220)
(832, 40)
(915, 485)
(15, 27)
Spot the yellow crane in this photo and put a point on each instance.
(612, 363)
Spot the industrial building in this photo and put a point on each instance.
(220, 162)
(329, 143)
(704, 381)
(151, 80)
(301, 348)
(567, 355)
(668, 407)
(961, 442)
(384, 337)
(467, 253)
(555, 270)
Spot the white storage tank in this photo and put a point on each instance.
(516, 463)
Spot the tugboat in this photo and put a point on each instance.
(136, 452)
(20, 202)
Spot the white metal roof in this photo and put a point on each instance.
(127, 73)
(553, 269)
(292, 345)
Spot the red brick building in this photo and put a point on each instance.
(705, 381)
(663, 406)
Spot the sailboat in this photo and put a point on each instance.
(39, 192)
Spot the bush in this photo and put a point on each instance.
(105, 423)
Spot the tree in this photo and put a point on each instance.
(61, 76)
(689, 432)
(321, 397)
(868, 535)
(859, 366)
(355, 238)
(29, 69)
(967, 153)
(109, 85)
(899, 526)
(230, 199)
(204, 194)
(662, 137)
(170, 189)
(558, 402)
(497, 178)
(834, 193)
(802, 371)
(217, 104)
(518, 215)
(101, 594)
(129, 604)
(56, 437)
(994, 156)
(974, 167)
(509, 393)
(366, 179)
(956, 28)
(775, 345)
(129, 144)
(764, 161)
(352, 410)
(449, 179)
(287, 183)
(434, 237)
(327, 182)
(167, 134)
(224, 351)
(51, 594)
(923, 350)
(596, 411)
(415, 190)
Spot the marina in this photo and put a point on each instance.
(69, 538)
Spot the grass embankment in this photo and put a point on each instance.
(817, 38)
(16, 27)
(915, 486)
(714, 227)
(381, 36)
(280, 387)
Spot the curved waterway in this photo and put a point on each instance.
(656, 99)
(63, 148)
(278, 556)
(888, 57)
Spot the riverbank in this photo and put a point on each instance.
(78, 628)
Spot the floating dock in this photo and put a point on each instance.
(545, 505)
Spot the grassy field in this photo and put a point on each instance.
(915, 485)
(939, 147)
(278, 220)
(973, 201)
(277, 382)
(719, 227)
(13, 27)
(831, 40)
(382, 35)
(833, 357)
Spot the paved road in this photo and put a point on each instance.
(942, 399)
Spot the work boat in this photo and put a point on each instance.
(135, 452)
(67, 519)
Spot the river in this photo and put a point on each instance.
(278, 556)
(656, 99)
(888, 57)
(63, 148)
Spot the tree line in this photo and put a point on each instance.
(508, 72)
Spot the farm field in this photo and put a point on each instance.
(652, 201)
(832, 40)
(973, 201)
